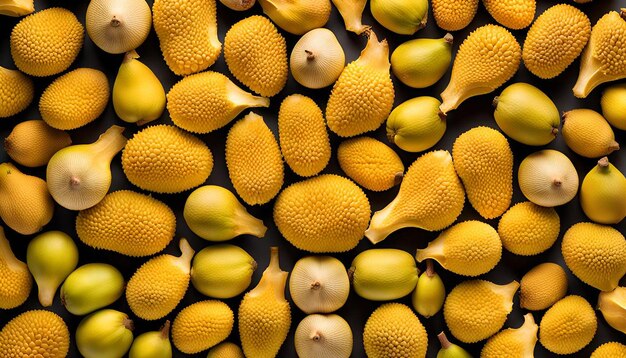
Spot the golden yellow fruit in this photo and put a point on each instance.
(201, 326)
(297, 16)
(35, 334)
(568, 326)
(14, 275)
(417, 124)
(588, 134)
(610, 350)
(612, 305)
(32, 143)
(529, 229)
(513, 342)
(603, 193)
(225, 350)
(613, 103)
(383, 274)
(393, 330)
(514, 14)
(454, 15)
(16, 92)
(351, 12)
(17, 8)
(542, 286)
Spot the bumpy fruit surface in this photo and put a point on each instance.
(393, 330)
(568, 326)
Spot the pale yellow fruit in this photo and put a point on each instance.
(417, 124)
(201, 326)
(118, 26)
(14, 275)
(297, 16)
(613, 104)
(32, 143)
(319, 284)
(323, 336)
(420, 63)
(317, 59)
(613, 307)
(548, 178)
(568, 326)
(91, 287)
(17, 8)
(603, 193)
(454, 15)
(16, 91)
(514, 14)
(383, 274)
(35, 334)
(399, 16)
(351, 12)
(529, 229)
(588, 134)
(393, 330)
(542, 286)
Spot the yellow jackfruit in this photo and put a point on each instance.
(254, 161)
(130, 223)
(431, 197)
(303, 136)
(370, 163)
(327, 213)
(484, 162)
(475, 310)
(16, 92)
(514, 14)
(513, 342)
(46, 42)
(555, 40)
(187, 31)
(596, 254)
(362, 97)
(17, 8)
(14, 275)
(568, 326)
(256, 54)
(225, 350)
(32, 143)
(454, 15)
(35, 334)
(165, 159)
(542, 286)
(529, 229)
(488, 57)
(202, 325)
(610, 350)
(75, 99)
(394, 331)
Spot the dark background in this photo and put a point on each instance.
(474, 112)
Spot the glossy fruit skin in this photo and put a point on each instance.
(416, 124)
(420, 63)
(383, 274)
(91, 287)
(104, 334)
(613, 104)
(603, 193)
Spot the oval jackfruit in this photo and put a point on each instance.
(529, 229)
(33, 143)
(35, 334)
(568, 326)
(201, 326)
(454, 15)
(16, 92)
(542, 286)
(514, 14)
(393, 330)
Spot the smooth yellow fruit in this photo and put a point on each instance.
(568, 326)
(317, 59)
(588, 134)
(400, 16)
(46, 42)
(431, 197)
(454, 15)
(383, 274)
(603, 193)
(613, 307)
(91, 287)
(393, 330)
(514, 14)
(14, 275)
(323, 336)
(155, 344)
(32, 143)
(337, 213)
(529, 229)
(476, 309)
(104, 334)
(299, 16)
(596, 254)
(17, 8)
(189, 43)
(16, 91)
(613, 104)
(542, 286)
(35, 334)
(256, 54)
(201, 326)
(370, 163)
(319, 284)
(255, 164)
(430, 292)
(470, 248)
(351, 12)
(127, 222)
(513, 342)
(362, 97)
(449, 350)
(548, 178)
(610, 350)
(488, 57)
(303, 137)
(225, 349)
(420, 63)
(417, 124)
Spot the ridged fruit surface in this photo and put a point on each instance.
(454, 15)
(529, 229)
(14, 275)
(393, 330)
(514, 14)
(568, 326)
(16, 92)
(35, 334)
(201, 326)
(542, 286)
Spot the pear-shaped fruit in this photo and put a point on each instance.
(417, 124)
(297, 16)
(383, 274)
(613, 104)
(154, 344)
(450, 350)
(15, 280)
(420, 63)
(17, 8)
(588, 134)
(91, 287)
(430, 293)
(317, 59)
(548, 178)
(319, 284)
(138, 95)
(513, 342)
(32, 143)
(612, 304)
(603, 193)
(51, 257)
(401, 16)
(351, 11)
(104, 334)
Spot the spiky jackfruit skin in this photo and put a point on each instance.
(609, 44)
(254, 161)
(183, 161)
(529, 229)
(568, 326)
(394, 331)
(256, 54)
(35, 334)
(454, 15)
(225, 350)
(47, 42)
(303, 137)
(16, 92)
(610, 350)
(75, 99)
(327, 213)
(202, 325)
(514, 14)
(542, 286)
(187, 31)
(596, 254)
(127, 222)
(484, 162)
(555, 40)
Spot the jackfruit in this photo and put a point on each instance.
(513, 342)
(514, 14)
(529, 229)
(475, 310)
(327, 213)
(16, 92)
(165, 159)
(127, 222)
(542, 286)
(394, 331)
(202, 325)
(207, 101)
(431, 197)
(555, 40)
(470, 248)
(610, 350)
(613, 307)
(370, 163)
(256, 54)
(264, 314)
(46, 42)
(33, 143)
(14, 276)
(454, 15)
(568, 326)
(17, 8)
(383, 274)
(603, 193)
(225, 350)
(254, 161)
(303, 137)
(596, 254)
(187, 32)
(488, 57)
(588, 134)
(484, 162)
(35, 334)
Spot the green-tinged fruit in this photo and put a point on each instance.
(17, 8)
(319, 284)
(323, 336)
(35, 334)
(16, 91)
(201, 326)
(91, 287)
(400, 16)
(297, 16)
(610, 350)
(154, 344)
(513, 342)
(222, 271)
(568, 326)
(420, 63)
(417, 124)
(613, 307)
(529, 229)
(14, 275)
(542, 286)
(603, 193)
(225, 349)
(104, 334)
(430, 292)
(588, 134)
(613, 104)
(32, 143)
(393, 330)
(450, 350)
(383, 274)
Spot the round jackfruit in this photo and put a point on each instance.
(394, 331)
(453, 15)
(164, 159)
(46, 42)
(542, 286)
(610, 350)
(35, 334)
(328, 213)
(130, 223)
(529, 229)
(202, 325)
(256, 54)
(568, 326)
(16, 92)
(514, 14)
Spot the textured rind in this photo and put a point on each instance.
(32, 143)
(35, 334)
(568, 326)
(256, 54)
(609, 44)
(75, 99)
(514, 14)
(529, 229)
(596, 254)
(15, 278)
(542, 286)
(484, 162)
(16, 92)
(610, 350)
(165, 159)
(327, 213)
(555, 40)
(510, 343)
(588, 134)
(394, 331)
(225, 350)
(370, 163)
(130, 223)
(202, 325)
(453, 15)
(187, 31)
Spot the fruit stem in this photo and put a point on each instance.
(242, 99)
(186, 250)
(495, 101)
(351, 273)
(442, 115)
(614, 146)
(109, 143)
(165, 330)
(603, 162)
(248, 224)
(309, 55)
(555, 131)
(375, 53)
(449, 38)
(430, 268)
(115, 22)
(316, 285)
(130, 55)
(445, 343)
(351, 11)
(379, 229)
(316, 336)
(128, 324)
(273, 278)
